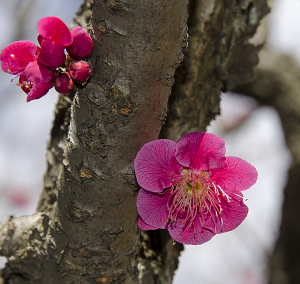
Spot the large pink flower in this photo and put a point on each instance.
(191, 188)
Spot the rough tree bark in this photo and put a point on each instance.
(85, 228)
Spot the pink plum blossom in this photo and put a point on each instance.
(191, 188)
(80, 71)
(19, 58)
(40, 68)
(82, 45)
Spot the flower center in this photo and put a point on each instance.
(26, 86)
(193, 196)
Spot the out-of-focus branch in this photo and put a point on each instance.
(219, 57)
(277, 84)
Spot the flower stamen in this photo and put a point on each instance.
(192, 195)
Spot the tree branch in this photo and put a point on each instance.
(218, 58)
(277, 84)
(136, 44)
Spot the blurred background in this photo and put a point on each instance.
(251, 132)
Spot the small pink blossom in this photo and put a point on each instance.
(40, 68)
(191, 188)
(19, 58)
(82, 45)
(18, 196)
(80, 71)
(63, 83)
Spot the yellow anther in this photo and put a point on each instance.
(12, 56)
(198, 186)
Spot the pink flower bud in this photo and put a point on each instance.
(63, 83)
(80, 71)
(82, 45)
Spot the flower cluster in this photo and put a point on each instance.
(41, 68)
(191, 188)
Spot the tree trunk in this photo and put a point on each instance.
(85, 228)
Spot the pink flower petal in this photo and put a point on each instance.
(82, 45)
(233, 213)
(39, 90)
(155, 165)
(51, 54)
(55, 29)
(40, 39)
(200, 151)
(194, 235)
(38, 73)
(152, 207)
(16, 56)
(238, 174)
(143, 226)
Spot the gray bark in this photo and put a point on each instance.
(85, 228)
